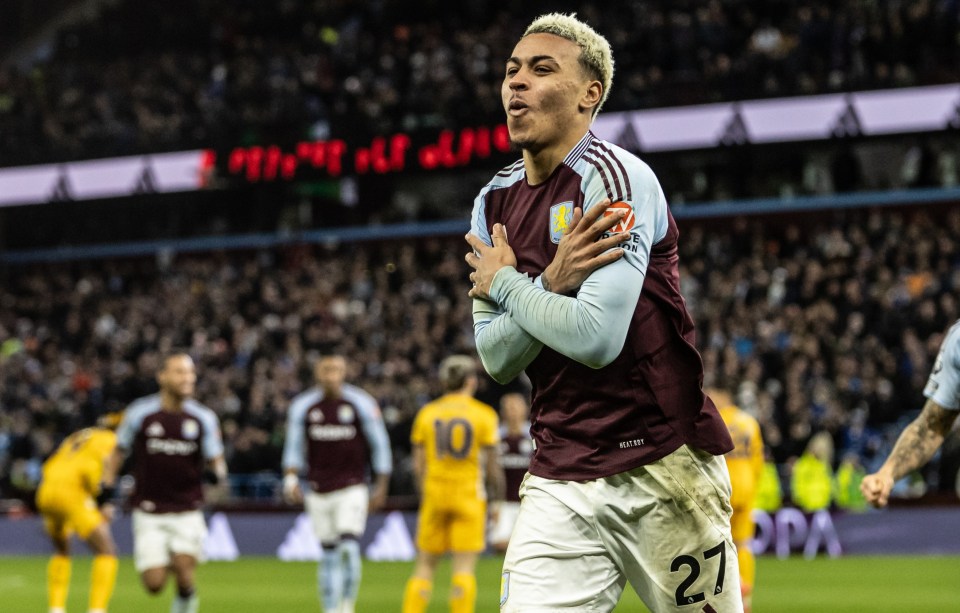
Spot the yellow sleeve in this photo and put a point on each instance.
(418, 434)
(756, 451)
(491, 434)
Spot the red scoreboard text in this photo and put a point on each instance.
(383, 155)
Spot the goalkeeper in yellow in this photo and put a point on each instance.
(455, 453)
(72, 500)
(745, 464)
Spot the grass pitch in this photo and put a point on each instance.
(266, 585)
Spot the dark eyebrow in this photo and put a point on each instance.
(533, 60)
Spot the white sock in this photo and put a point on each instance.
(346, 606)
(190, 604)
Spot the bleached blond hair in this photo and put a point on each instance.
(595, 54)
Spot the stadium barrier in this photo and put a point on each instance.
(390, 536)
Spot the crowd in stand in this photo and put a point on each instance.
(150, 76)
(829, 323)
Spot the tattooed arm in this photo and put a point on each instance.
(916, 445)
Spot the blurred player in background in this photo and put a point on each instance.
(336, 433)
(176, 445)
(516, 447)
(745, 464)
(455, 454)
(72, 500)
(921, 439)
(626, 482)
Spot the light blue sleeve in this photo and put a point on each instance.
(943, 386)
(376, 432)
(592, 327)
(294, 447)
(212, 439)
(132, 418)
(504, 347)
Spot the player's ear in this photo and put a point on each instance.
(591, 96)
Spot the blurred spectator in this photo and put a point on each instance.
(152, 76)
(829, 321)
(811, 484)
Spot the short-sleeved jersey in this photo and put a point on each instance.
(338, 439)
(515, 453)
(452, 430)
(77, 463)
(646, 403)
(943, 386)
(170, 450)
(745, 461)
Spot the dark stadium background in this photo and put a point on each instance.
(821, 272)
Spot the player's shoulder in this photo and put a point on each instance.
(200, 411)
(951, 341)
(103, 435)
(622, 174)
(359, 397)
(306, 398)
(430, 408)
(505, 177)
(747, 419)
(141, 407)
(363, 400)
(483, 407)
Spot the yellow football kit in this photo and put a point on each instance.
(452, 430)
(71, 481)
(745, 464)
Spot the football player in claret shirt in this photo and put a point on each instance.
(336, 434)
(72, 500)
(455, 457)
(516, 447)
(176, 446)
(576, 281)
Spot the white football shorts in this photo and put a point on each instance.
(337, 513)
(157, 537)
(506, 518)
(663, 527)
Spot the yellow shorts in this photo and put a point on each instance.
(451, 522)
(67, 511)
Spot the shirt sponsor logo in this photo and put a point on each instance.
(561, 216)
(155, 429)
(515, 460)
(626, 224)
(345, 414)
(191, 429)
(332, 432)
(169, 446)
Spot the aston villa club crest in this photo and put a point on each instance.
(191, 429)
(345, 414)
(561, 216)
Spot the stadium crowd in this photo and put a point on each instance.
(149, 76)
(830, 324)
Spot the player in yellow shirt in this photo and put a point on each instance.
(71, 501)
(455, 453)
(745, 464)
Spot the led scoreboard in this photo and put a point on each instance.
(382, 155)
